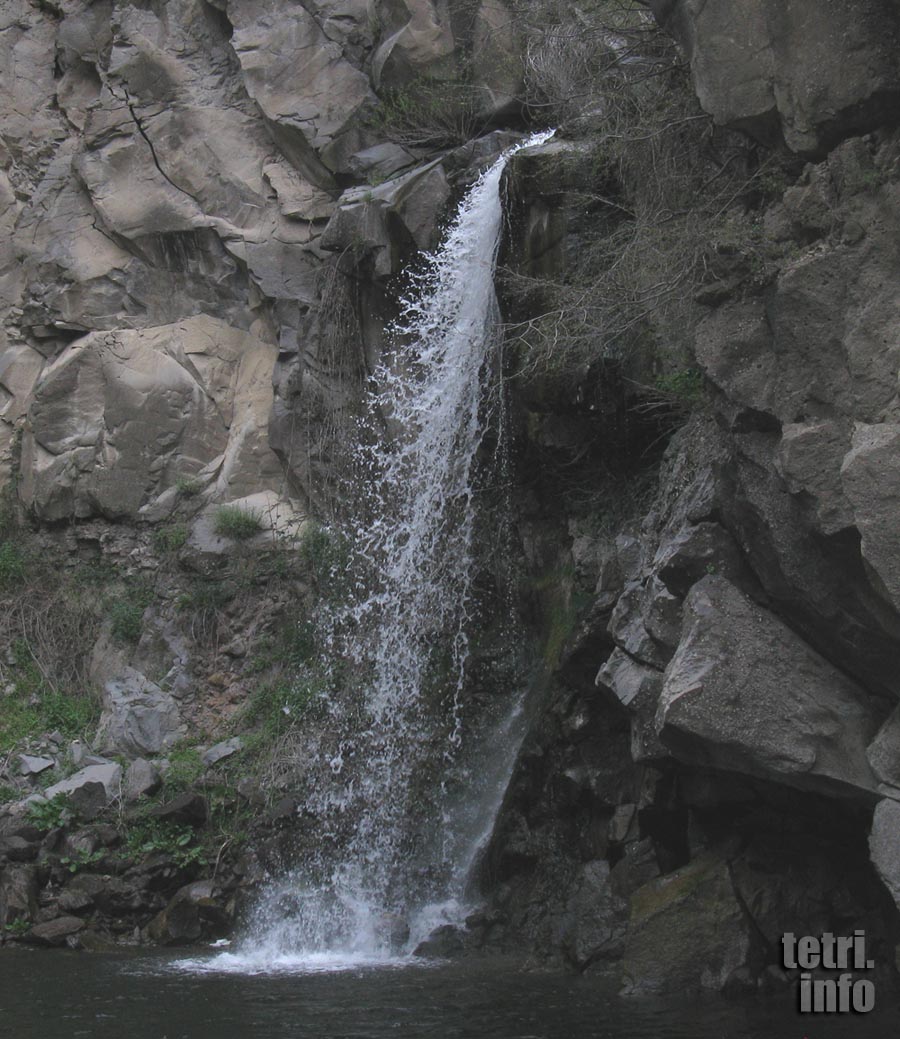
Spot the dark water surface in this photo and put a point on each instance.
(52, 995)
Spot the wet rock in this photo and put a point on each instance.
(54, 932)
(636, 867)
(723, 700)
(193, 913)
(18, 893)
(686, 932)
(446, 942)
(595, 918)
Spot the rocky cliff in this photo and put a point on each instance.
(208, 206)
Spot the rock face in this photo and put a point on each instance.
(743, 692)
(687, 931)
(736, 656)
(119, 417)
(205, 213)
(788, 69)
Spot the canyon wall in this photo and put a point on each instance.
(208, 209)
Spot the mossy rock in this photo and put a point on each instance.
(686, 931)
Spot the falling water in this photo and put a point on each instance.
(403, 848)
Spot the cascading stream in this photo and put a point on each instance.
(406, 631)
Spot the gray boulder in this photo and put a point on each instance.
(55, 932)
(29, 765)
(746, 694)
(91, 789)
(138, 717)
(220, 751)
(687, 931)
(193, 913)
(141, 780)
(637, 687)
(18, 893)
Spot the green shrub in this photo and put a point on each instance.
(48, 815)
(188, 486)
(12, 564)
(237, 523)
(185, 768)
(8, 793)
(81, 860)
(126, 611)
(35, 706)
(149, 836)
(17, 929)
(686, 387)
(167, 540)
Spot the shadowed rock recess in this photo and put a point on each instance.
(686, 551)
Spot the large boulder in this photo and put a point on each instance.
(686, 931)
(119, 417)
(299, 77)
(193, 913)
(803, 71)
(18, 894)
(90, 789)
(424, 47)
(138, 717)
(746, 694)
(595, 918)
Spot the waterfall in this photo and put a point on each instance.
(397, 848)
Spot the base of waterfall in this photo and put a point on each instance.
(424, 940)
(261, 961)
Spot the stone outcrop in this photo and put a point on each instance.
(811, 74)
(744, 692)
(120, 417)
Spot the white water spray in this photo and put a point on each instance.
(407, 633)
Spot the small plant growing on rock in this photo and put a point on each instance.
(159, 836)
(237, 523)
(167, 540)
(17, 929)
(82, 860)
(48, 815)
(188, 486)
